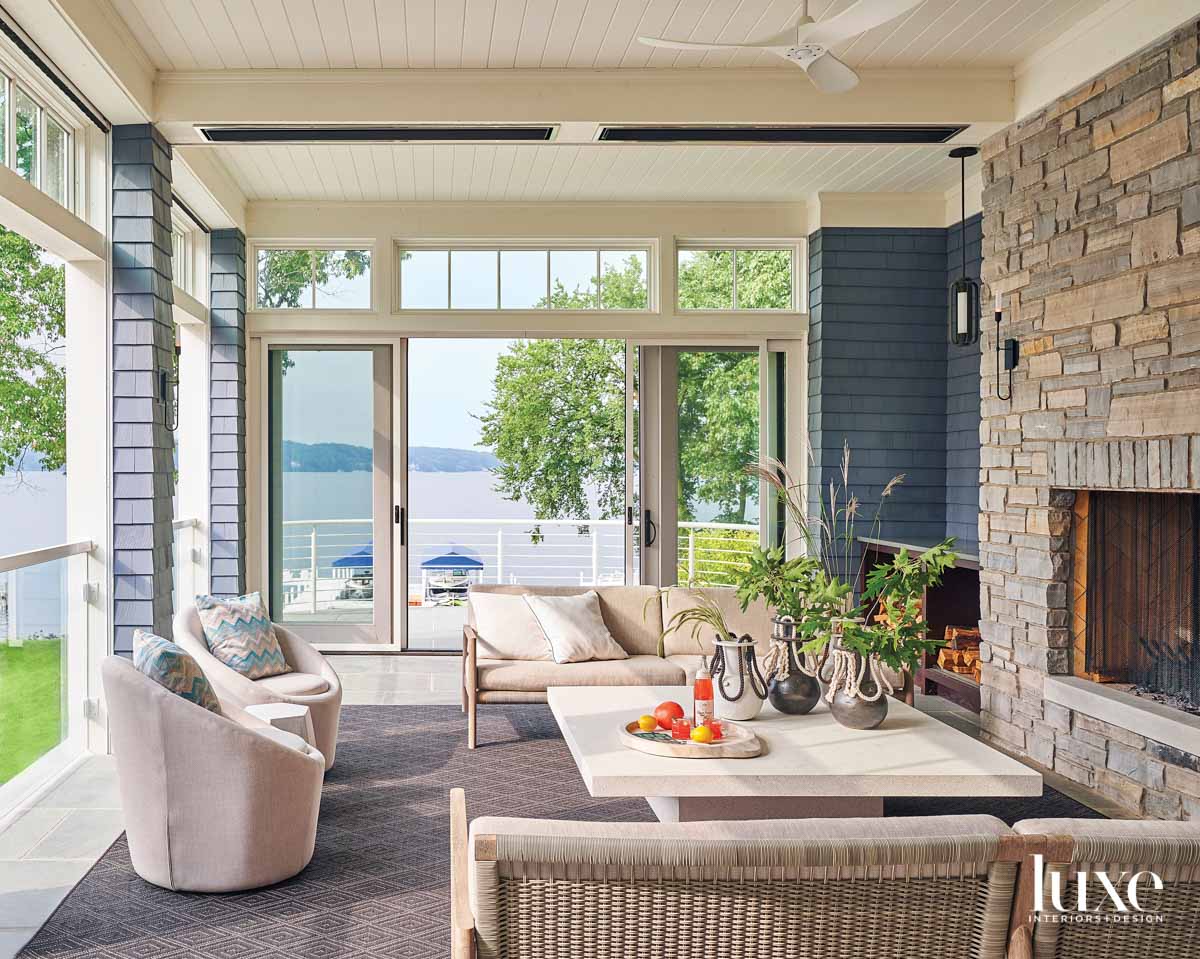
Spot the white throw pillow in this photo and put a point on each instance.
(507, 628)
(574, 627)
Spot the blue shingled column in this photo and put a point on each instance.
(227, 416)
(143, 337)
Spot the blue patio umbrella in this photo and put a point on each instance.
(457, 557)
(363, 558)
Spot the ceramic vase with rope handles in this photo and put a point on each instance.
(858, 686)
(739, 687)
(792, 685)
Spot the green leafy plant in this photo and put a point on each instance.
(706, 614)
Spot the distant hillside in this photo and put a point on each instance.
(344, 458)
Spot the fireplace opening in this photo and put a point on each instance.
(1136, 593)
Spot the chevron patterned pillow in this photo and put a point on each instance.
(171, 667)
(239, 633)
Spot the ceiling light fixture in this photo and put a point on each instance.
(964, 291)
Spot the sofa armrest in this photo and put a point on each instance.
(470, 657)
(462, 922)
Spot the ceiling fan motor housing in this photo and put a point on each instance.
(805, 53)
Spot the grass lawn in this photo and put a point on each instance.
(30, 703)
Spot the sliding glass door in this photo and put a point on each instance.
(331, 502)
(516, 472)
(401, 475)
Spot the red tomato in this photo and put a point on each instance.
(666, 712)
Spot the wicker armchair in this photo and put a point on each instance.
(937, 887)
(1120, 849)
(312, 682)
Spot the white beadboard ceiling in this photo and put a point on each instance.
(181, 35)
(580, 172)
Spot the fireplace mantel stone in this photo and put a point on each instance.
(1146, 718)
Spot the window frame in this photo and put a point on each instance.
(598, 246)
(14, 76)
(794, 247)
(367, 246)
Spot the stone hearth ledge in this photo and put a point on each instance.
(1118, 708)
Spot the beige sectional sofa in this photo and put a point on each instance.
(634, 616)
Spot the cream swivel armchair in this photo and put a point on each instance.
(211, 804)
(312, 682)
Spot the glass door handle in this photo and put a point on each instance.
(400, 518)
(651, 533)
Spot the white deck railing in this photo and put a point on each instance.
(320, 573)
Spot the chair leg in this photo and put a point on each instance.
(472, 706)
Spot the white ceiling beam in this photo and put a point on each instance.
(89, 42)
(1095, 43)
(578, 99)
(202, 181)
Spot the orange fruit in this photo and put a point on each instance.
(702, 734)
(666, 712)
(647, 724)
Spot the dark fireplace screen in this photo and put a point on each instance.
(1143, 591)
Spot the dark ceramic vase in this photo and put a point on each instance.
(797, 694)
(855, 712)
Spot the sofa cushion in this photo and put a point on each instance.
(756, 621)
(574, 627)
(529, 676)
(239, 633)
(294, 684)
(172, 668)
(633, 614)
(506, 626)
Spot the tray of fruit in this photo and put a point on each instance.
(668, 733)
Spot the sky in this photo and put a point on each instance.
(327, 394)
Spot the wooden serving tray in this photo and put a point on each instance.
(737, 742)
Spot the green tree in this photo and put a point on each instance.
(286, 277)
(718, 432)
(33, 382)
(556, 420)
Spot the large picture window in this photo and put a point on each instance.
(721, 278)
(312, 279)
(34, 142)
(583, 278)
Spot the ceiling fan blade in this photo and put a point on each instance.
(830, 75)
(863, 16)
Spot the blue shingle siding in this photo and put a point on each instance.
(963, 402)
(883, 377)
(227, 413)
(143, 339)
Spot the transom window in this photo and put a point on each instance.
(588, 278)
(34, 142)
(290, 278)
(725, 278)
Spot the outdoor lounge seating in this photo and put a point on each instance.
(211, 803)
(634, 616)
(312, 681)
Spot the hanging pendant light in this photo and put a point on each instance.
(964, 292)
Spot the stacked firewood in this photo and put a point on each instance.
(961, 652)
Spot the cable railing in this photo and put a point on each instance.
(328, 564)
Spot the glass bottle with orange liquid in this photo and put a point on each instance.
(702, 694)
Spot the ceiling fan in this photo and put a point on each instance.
(806, 42)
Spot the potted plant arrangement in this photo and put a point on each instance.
(739, 685)
(822, 629)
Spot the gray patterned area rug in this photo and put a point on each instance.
(378, 884)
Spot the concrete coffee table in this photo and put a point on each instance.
(810, 767)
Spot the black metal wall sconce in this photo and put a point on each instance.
(1009, 349)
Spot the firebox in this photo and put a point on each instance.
(1136, 592)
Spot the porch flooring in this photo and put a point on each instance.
(49, 847)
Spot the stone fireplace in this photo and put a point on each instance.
(1088, 472)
